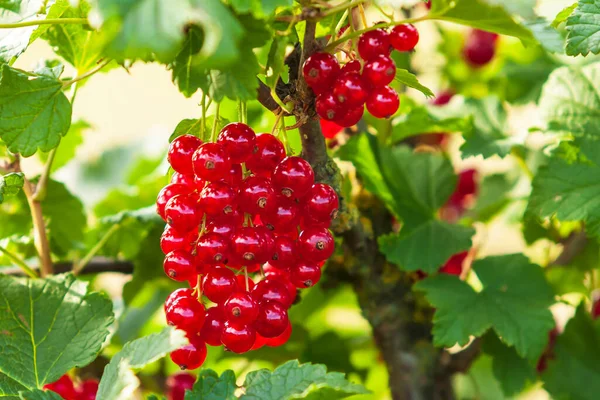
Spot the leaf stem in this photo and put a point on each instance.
(86, 74)
(40, 189)
(39, 228)
(203, 124)
(50, 21)
(78, 267)
(213, 134)
(342, 7)
(20, 263)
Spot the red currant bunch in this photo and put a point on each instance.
(343, 92)
(247, 225)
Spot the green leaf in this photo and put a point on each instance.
(48, 327)
(235, 83)
(276, 60)
(34, 112)
(39, 395)
(583, 28)
(512, 371)
(546, 35)
(259, 8)
(68, 145)
(514, 301)
(118, 380)
(188, 77)
(187, 127)
(13, 42)
(294, 380)
(573, 373)
(493, 196)
(563, 15)
(210, 386)
(10, 184)
(50, 68)
(566, 280)
(409, 79)
(426, 247)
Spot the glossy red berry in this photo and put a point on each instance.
(212, 248)
(379, 71)
(246, 246)
(268, 243)
(351, 116)
(443, 98)
(321, 203)
(167, 193)
(179, 265)
(283, 275)
(238, 338)
(281, 339)
(177, 295)
(373, 43)
(383, 102)
(454, 265)
(238, 140)
(186, 314)
(283, 216)
(272, 290)
(224, 227)
(269, 153)
(272, 319)
(191, 356)
(64, 387)
(235, 176)
(183, 213)
(315, 244)
(404, 37)
(351, 66)
(350, 90)
(327, 106)
(329, 128)
(177, 385)
(480, 48)
(240, 308)
(211, 162)
(241, 280)
(255, 194)
(218, 199)
(218, 284)
(212, 329)
(284, 254)
(182, 179)
(304, 275)
(181, 151)
(260, 342)
(293, 177)
(320, 70)
(171, 240)
(88, 389)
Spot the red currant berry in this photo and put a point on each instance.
(177, 295)
(218, 284)
(315, 244)
(404, 37)
(293, 177)
(177, 385)
(281, 339)
(320, 70)
(304, 275)
(218, 199)
(480, 48)
(255, 194)
(167, 193)
(373, 43)
(212, 248)
(214, 323)
(351, 66)
(235, 176)
(88, 389)
(383, 102)
(272, 319)
(351, 117)
(443, 98)
(272, 290)
(327, 106)
(183, 213)
(181, 151)
(238, 338)
(241, 308)
(186, 314)
(283, 216)
(380, 71)
(321, 203)
(239, 141)
(191, 356)
(64, 387)
(246, 245)
(285, 252)
(329, 128)
(181, 179)
(259, 342)
(179, 265)
(454, 265)
(268, 243)
(350, 90)
(171, 240)
(223, 227)
(282, 275)
(269, 153)
(211, 162)
(596, 309)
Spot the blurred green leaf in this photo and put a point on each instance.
(276, 60)
(566, 280)
(546, 35)
(493, 195)
(11, 184)
(188, 77)
(583, 28)
(210, 386)
(564, 14)
(235, 82)
(68, 145)
(260, 8)
(13, 42)
(51, 68)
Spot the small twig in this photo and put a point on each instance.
(22, 265)
(86, 74)
(263, 95)
(50, 21)
(341, 7)
(39, 228)
(86, 259)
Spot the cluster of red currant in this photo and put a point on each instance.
(68, 390)
(238, 207)
(342, 92)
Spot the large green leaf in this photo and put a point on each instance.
(584, 29)
(211, 386)
(48, 327)
(13, 42)
(426, 247)
(493, 195)
(40, 395)
(546, 35)
(409, 79)
(118, 380)
(574, 372)
(234, 82)
(10, 184)
(34, 112)
(188, 77)
(514, 301)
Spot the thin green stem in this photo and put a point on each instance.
(213, 134)
(284, 134)
(86, 74)
(20, 263)
(50, 21)
(203, 121)
(284, 107)
(78, 267)
(342, 7)
(338, 26)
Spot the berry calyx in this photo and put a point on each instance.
(255, 194)
(321, 203)
(238, 140)
(238, 338)
(246, 246)
(404, 37)
(315, 244)
(373, 43)
(179, 265)
(218, 284)
(241, 308)
(379, 71)
(211, 162)
(272, 319)
(383, 102)
(281, 217)
(319, 70)
(212, 248)
(328, 107)
(218, 199)
(191, 356)
(293, 177)
(304, 275)
(181, 151)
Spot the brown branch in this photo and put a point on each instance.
(95, 266)
(39, 229)
(263, 95)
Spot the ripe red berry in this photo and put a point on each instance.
(172, 240)
(212, 248)
(235, 176)
(259, 343)
(269, 153)
(240, 308)
(351, 116)
(379, 71)
(383, 102)
(454, 265)
(167, 193)
(480, 48)
(191, 356)
(211, 162)
(267, 238)
(281, 339)
(241, 280)
(64, 387)
(272, 319)
(218, 199)
(320, 70)
(327, 106)
(272, 290)
(351, 66)
(182, 179)
(178, 294)
(321, 203)
(255, 194)
(304, 275)
(186, 314)
(183, 213)
(404, 37)
(246, 246)
(239, 141)
(238, 338)
(596, 309)
(283, 216)
(350, 90)
(180, 153)
(443, 98)
(293, 177)
(88, 389)
(284, 254)
(224, 227)
(179, 265)
(214, 323)
(315, 244)
(218, 284)
(329, 128)
(373, 43)
(283, 276)
(177, 385)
